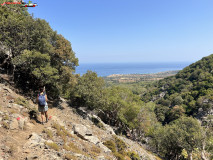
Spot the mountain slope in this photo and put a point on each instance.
(190, 89)
(66, 136)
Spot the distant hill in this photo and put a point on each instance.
(191, 89)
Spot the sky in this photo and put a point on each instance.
(117, 31)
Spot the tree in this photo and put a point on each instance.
(89, 91)
(183, 133)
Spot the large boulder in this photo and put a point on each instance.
(81, 131)
(92, 139)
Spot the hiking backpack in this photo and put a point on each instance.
(41, 99)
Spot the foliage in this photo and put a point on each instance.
(191, 88)
(89, 91)
(39, 56)
(117, 146)
(183, 133)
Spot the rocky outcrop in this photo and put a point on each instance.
(34, 141)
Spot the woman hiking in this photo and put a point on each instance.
(42, 104)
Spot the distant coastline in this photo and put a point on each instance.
(129, 78)
(107, 69)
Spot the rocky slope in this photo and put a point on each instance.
(67, 135)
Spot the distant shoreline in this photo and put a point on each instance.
(127, 78)
(144, 74)
(104, 70)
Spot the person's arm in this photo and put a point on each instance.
(46, 98)
(37, 99)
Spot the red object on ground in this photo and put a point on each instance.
(50, 117)
(18, 118)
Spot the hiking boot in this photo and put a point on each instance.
(46, 120)
(42, 123)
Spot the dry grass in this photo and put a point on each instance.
(12, 150)
(13, 111)
(22, 101)
(70, 157)
(61, 131)
(67, 148)
(6, 117)
(49, 133)
(5, 125)
(53, 146)
(95, 150)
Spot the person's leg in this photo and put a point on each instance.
(42, 117)
(46, 115)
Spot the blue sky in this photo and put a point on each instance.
(132, 30)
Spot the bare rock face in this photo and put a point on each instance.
(104, 148)
(57, 120)
(34, 141)
(18, 121)
(81, 131)
(92, 139)
(107, 127)
(14, 124)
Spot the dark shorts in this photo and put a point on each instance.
(42, 108)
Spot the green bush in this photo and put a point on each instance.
(133, 155)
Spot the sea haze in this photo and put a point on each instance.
(106, 69)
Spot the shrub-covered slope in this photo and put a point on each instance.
(190, 91)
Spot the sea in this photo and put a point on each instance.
(106, 69)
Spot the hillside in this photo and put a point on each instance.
(190, 88)
(66, 136)
(160, 115)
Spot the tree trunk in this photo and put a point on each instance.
(190, 156)
(203, 155)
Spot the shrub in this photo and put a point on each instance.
(117, 146)
(119, 156)
(111, 145)
(133, 155)
(121, 145)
